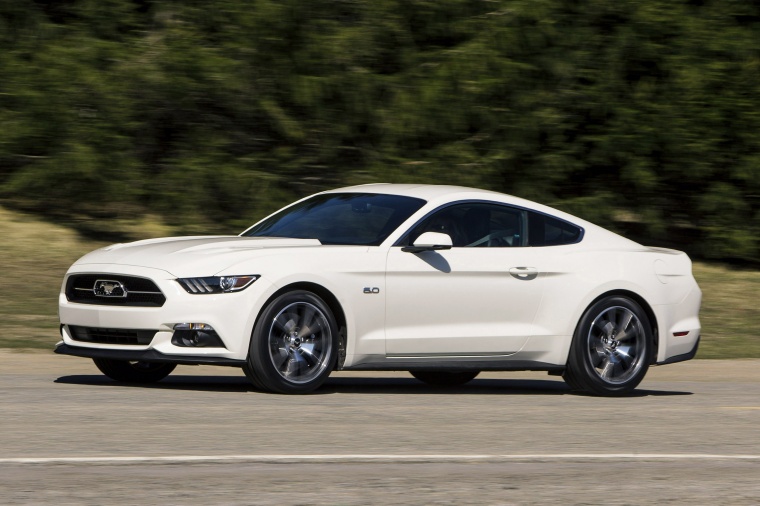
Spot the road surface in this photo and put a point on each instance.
(68, 435)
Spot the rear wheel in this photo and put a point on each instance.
(445, 378)
(294, 344)
(611, 348)
(133, 371)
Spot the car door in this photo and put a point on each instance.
(478, 298)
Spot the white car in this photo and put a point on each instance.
(440, 281)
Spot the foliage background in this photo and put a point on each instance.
(642, 115)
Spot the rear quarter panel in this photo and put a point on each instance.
(577, 275)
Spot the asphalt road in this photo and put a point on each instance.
(68, 435)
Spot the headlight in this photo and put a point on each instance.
(216, 284)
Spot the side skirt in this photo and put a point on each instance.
(451, 364)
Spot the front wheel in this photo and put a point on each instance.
(133, 371)
(294, 344)
(611, 348)
(445, 378)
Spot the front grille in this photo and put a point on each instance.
(80, 288)
(111, 336)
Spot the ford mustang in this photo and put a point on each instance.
(440, 281)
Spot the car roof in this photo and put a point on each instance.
(437, 193)
(423, 191)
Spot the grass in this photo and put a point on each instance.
(34, 256)
(730, 313)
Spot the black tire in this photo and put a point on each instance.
(294, 344)
(611, 348)
(134, 371)
(445, 378)
(257, 384)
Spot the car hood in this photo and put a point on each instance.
(190, 256)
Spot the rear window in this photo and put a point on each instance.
(544, 230)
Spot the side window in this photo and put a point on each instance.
(544, 230)
(475, 225)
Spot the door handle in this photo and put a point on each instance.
(524, 273)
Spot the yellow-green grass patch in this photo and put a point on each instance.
(730, 313)
(34, 256)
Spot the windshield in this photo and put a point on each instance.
(340, 218)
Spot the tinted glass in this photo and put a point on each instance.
(474, 225)
(340, 218)
(544, 230)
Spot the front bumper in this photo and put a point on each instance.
(232, 315)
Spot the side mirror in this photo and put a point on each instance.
(429, 241)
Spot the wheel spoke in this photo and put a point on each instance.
(605, 326)
(280, 357)
(608, 368)
(598, 346)
(623, 354)
(291, 367)
(314, 327)
(284, 323)
(612, 315)
(597, 356)
(308, 356)
(625, 335)
(307, 317)
(627, 319)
